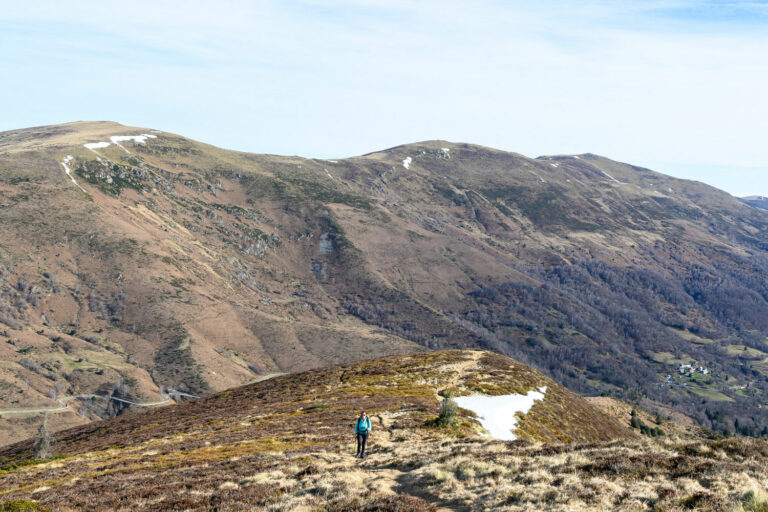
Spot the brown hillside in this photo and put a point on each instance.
(324, 400)
(172, 263)
(669, 421)
(295, 414)
(286, 444)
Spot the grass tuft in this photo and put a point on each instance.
(22, 505)
(756, 501)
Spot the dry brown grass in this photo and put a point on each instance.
(638, 475)
(274, 445)
(266, 447)
(416, 472)
(420, 473)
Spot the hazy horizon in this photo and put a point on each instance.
(675, 86)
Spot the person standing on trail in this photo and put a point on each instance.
(362, 429)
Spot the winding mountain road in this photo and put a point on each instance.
(63, 402)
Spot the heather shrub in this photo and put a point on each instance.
(21, 506)
(447, 415)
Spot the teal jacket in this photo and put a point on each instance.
(363, 426)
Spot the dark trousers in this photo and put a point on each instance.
(361, 440)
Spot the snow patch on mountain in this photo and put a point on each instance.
(68, 172)
(612, 178)
(140, 139)
(97, 145)
(117, 139)
(498, 414)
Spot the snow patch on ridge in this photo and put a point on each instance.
(497, 414)
(93, 146)
(117, 139)
(96, 145)
(141, 139)
(407, 162)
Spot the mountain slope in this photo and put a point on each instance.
(286, 444)
(289, 416)
(148, 260)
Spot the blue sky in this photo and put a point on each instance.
(678, 86)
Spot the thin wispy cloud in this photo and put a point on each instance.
(671, 84)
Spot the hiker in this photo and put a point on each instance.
(362, 429)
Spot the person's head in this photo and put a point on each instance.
(362, 414)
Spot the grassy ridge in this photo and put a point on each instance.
(286, 444)
(295, 418)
